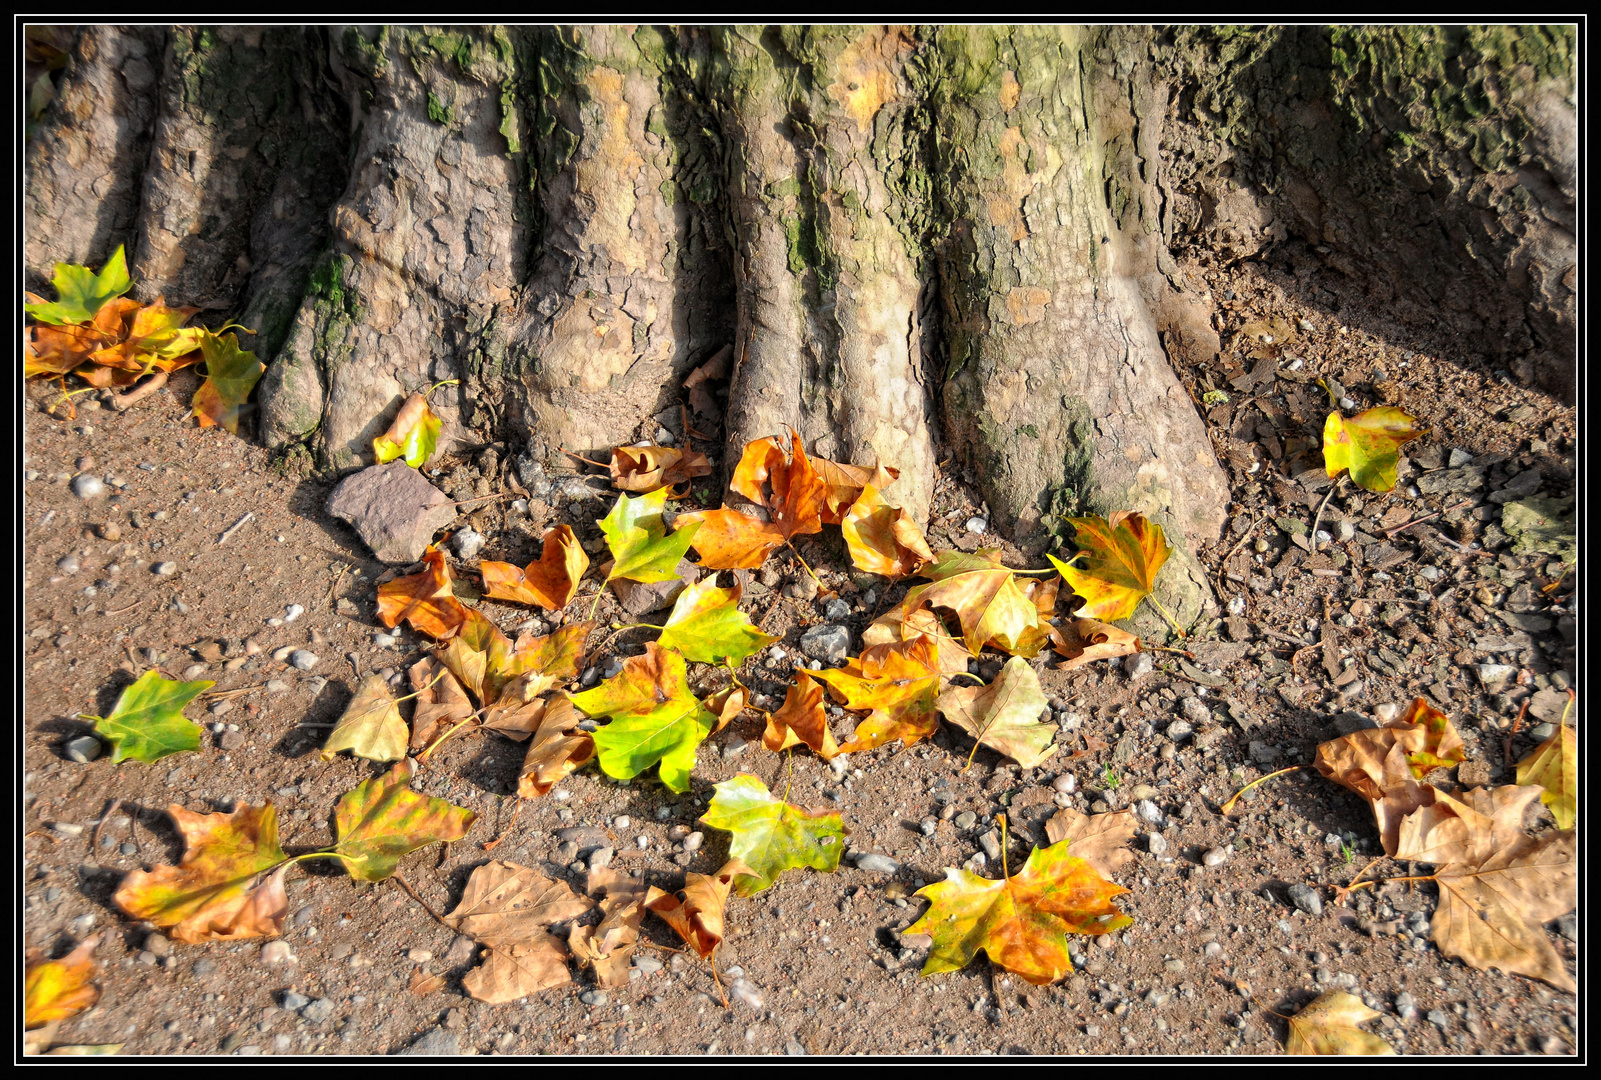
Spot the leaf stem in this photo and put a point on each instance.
(1005, 872)
(799, 558)
(1162, 611)
(414, 693)
(425, 393)
(431, 747)
(598, 594)
(1228, 807)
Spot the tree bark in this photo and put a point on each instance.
(921, 242)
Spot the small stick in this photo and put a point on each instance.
(586, 461)
(1244, 537)
(487, 498)
(125, 401)
(1390, 534)
(1316, 520)
(94, 841)
(1228, 807)
(492, 844)
(224, 695)
(124, 610)
(1510, 735)
(235, 527)
(404, 884)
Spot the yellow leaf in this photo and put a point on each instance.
(1329, 1026)
(57, 989)
(1122, 555)
(371, 726)
(883, 539)
(1369, 445)
(1553, 765)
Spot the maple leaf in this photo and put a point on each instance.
(1328, 1025)
(231, 374)
(148, 723)
(510, 908)
(371, 726)
(441, 701)
(56, 350)
(486, 660)
(843, 485)
(551, 582)
(802, 720)
(1440, 746)
(608, 946)
(726, 704)
(786, 485)
(695, 912)
(1122, 555)
(647, 468)
(642, 549)
(144, 338)
(1497, 884)
(899, 682)
(423, 599)
(653, 718)
(730, 540)
(1005, 715)
(707, 626)
(228, 886)
(883, 539)
(1099, 839)
(1084, 641)
(382, 820)
(900, 624)
(1553, 766)
(1021, 922)
(56, 989)
(771, 835)
(555, 750)
(1368, 444)
(986, 599)
(414, 434)
(81, 293)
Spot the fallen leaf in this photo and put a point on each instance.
(1021, 922)
(905, 625)
(801, 720)
(414, 434)
(99, 1050)
(695, 912)
(729, 540)
(423, 599)
(423, 983)
(231, 374)
(519, 710)
(552, 582)
(771, 835)
(641, 547)
(986, 599)
(382, 820)
(1440, 747)
(56, 350)
(1100, 839)
(150, 337)
(899, 683)
(148, 723)
(1083, 641)
(371, 726)
(506, 904)
(1005, 715)
(441, 701)
(1122, 555)
(512, 972)
(726, 704)
(608, 946)
(647, 468)
(653, 718)
(485, 660)
(57, 989)
(786, 485)
(843, 485)
(701, 398)
(1328, 1025)
(228, 886)
(81, 293)
(555, 750)
(883, 539)
(1553, 766)
(707, 626)
(1368, 444)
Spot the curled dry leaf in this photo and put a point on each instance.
(987, 601)
(414, 434)
(53, 990)
(695, 912)
(1122, 554)
(1328, 1025)
(648, 468)
(843, 485)
(608, 946)
(901, 624)
(726, 704)
(225, 888)
(1368, 444)
(801, 720)
(422, 983)
(899, 683)
(883, 539)
(1021, 922)
(555, 751)
(707, 626)
(1553, 766)
(148, 723)
(379, 822)
(1083, 641)
(551, 582)
(701, 398)
(371, 726)
(231, 374)
(486, 661)
(1005, 715)
(653, 718)
(1099, 839)
(423, 599)
(771, 835)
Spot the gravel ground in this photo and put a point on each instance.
(1312, 641)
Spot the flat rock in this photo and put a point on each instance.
(829, 644)
(393, 509)
(436, 1043)
(641, 599)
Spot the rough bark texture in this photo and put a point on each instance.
(920, 242)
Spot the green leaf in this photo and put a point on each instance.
(707, 626)
(771, 835)
(414, 434)
(371, 726)
(148, 723)
(383, 820)
(1368, 444)
(80, 292)
(640, 544)
(654, 718)
(231, 373)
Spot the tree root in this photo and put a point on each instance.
(127, 400)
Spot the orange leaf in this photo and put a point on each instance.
(883, 539)
(646, 468)
(423, 599)
(56, 350)
(899, 682)
(843, 485)
(901, 624)
(485, 660)
(555, 750)
(552, 582)
(802, 720)
(696, 910)
(788, 486)
(986, 598)
(729, 540)
(56, 989)
(1084, 641)
(1122, 555)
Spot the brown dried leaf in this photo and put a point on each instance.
(1101, 839)
(440, 705)
(507, 904)
(1083, 641)
(801, 720)
(609, 946)
(512, 972)
(1383, 765)
(695, 912)
(556, 750)
(423, 984)
(423, 599)
(647, 468)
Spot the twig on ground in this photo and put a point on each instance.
(235, 527)
(94, 841)
(125, 401)
(1390, 534)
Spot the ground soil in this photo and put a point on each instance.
(1411, 613)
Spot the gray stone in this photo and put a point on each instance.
(586, 837)
(1214, 857)
(830, 644)
(601, 858)
(1406, 1006)
(1306, 898)
(461, 951)
(295, 1002)
(836, 609)
(232, 740)
(990, 842)
(1494, 677)
(593, 997)
(966, 819)
(877, 864)
(1262, 753)
(436, 1043)
(1459, 457)
(1179, 730)
(1138, 665)
(469, 543)
(393, 509)
(86, 486)
(1525, 483)
(642, 599)
(1148, 812)
(320, 1011)
(83, 749)
(693, 841)
(164, 569)
(647, 965)
(1194, 711)
(977, 525)
(303, 659)
(1548, 705)
(1156, 844)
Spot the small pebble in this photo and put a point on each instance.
(69, 564)
(1306, 898)
(601, 858)
(621, 821)
(222, 708)
(1156, 844)
(693, 841)
(275, 952)
(83, 749)
(164, 569)
(193, 672)
(977, 525)
(319, 1011)
(303, 659)
(87, 487)
(1138, 665)
(966, 819)
(836, 609)
(232, 740)
(382, 640)
(877, 864)
(294, 1002)
(593, 997)
(469, 543)
(293, 612)
(1214, 857)
(419, 956)
(276, 686)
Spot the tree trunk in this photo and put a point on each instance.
(920, 243)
